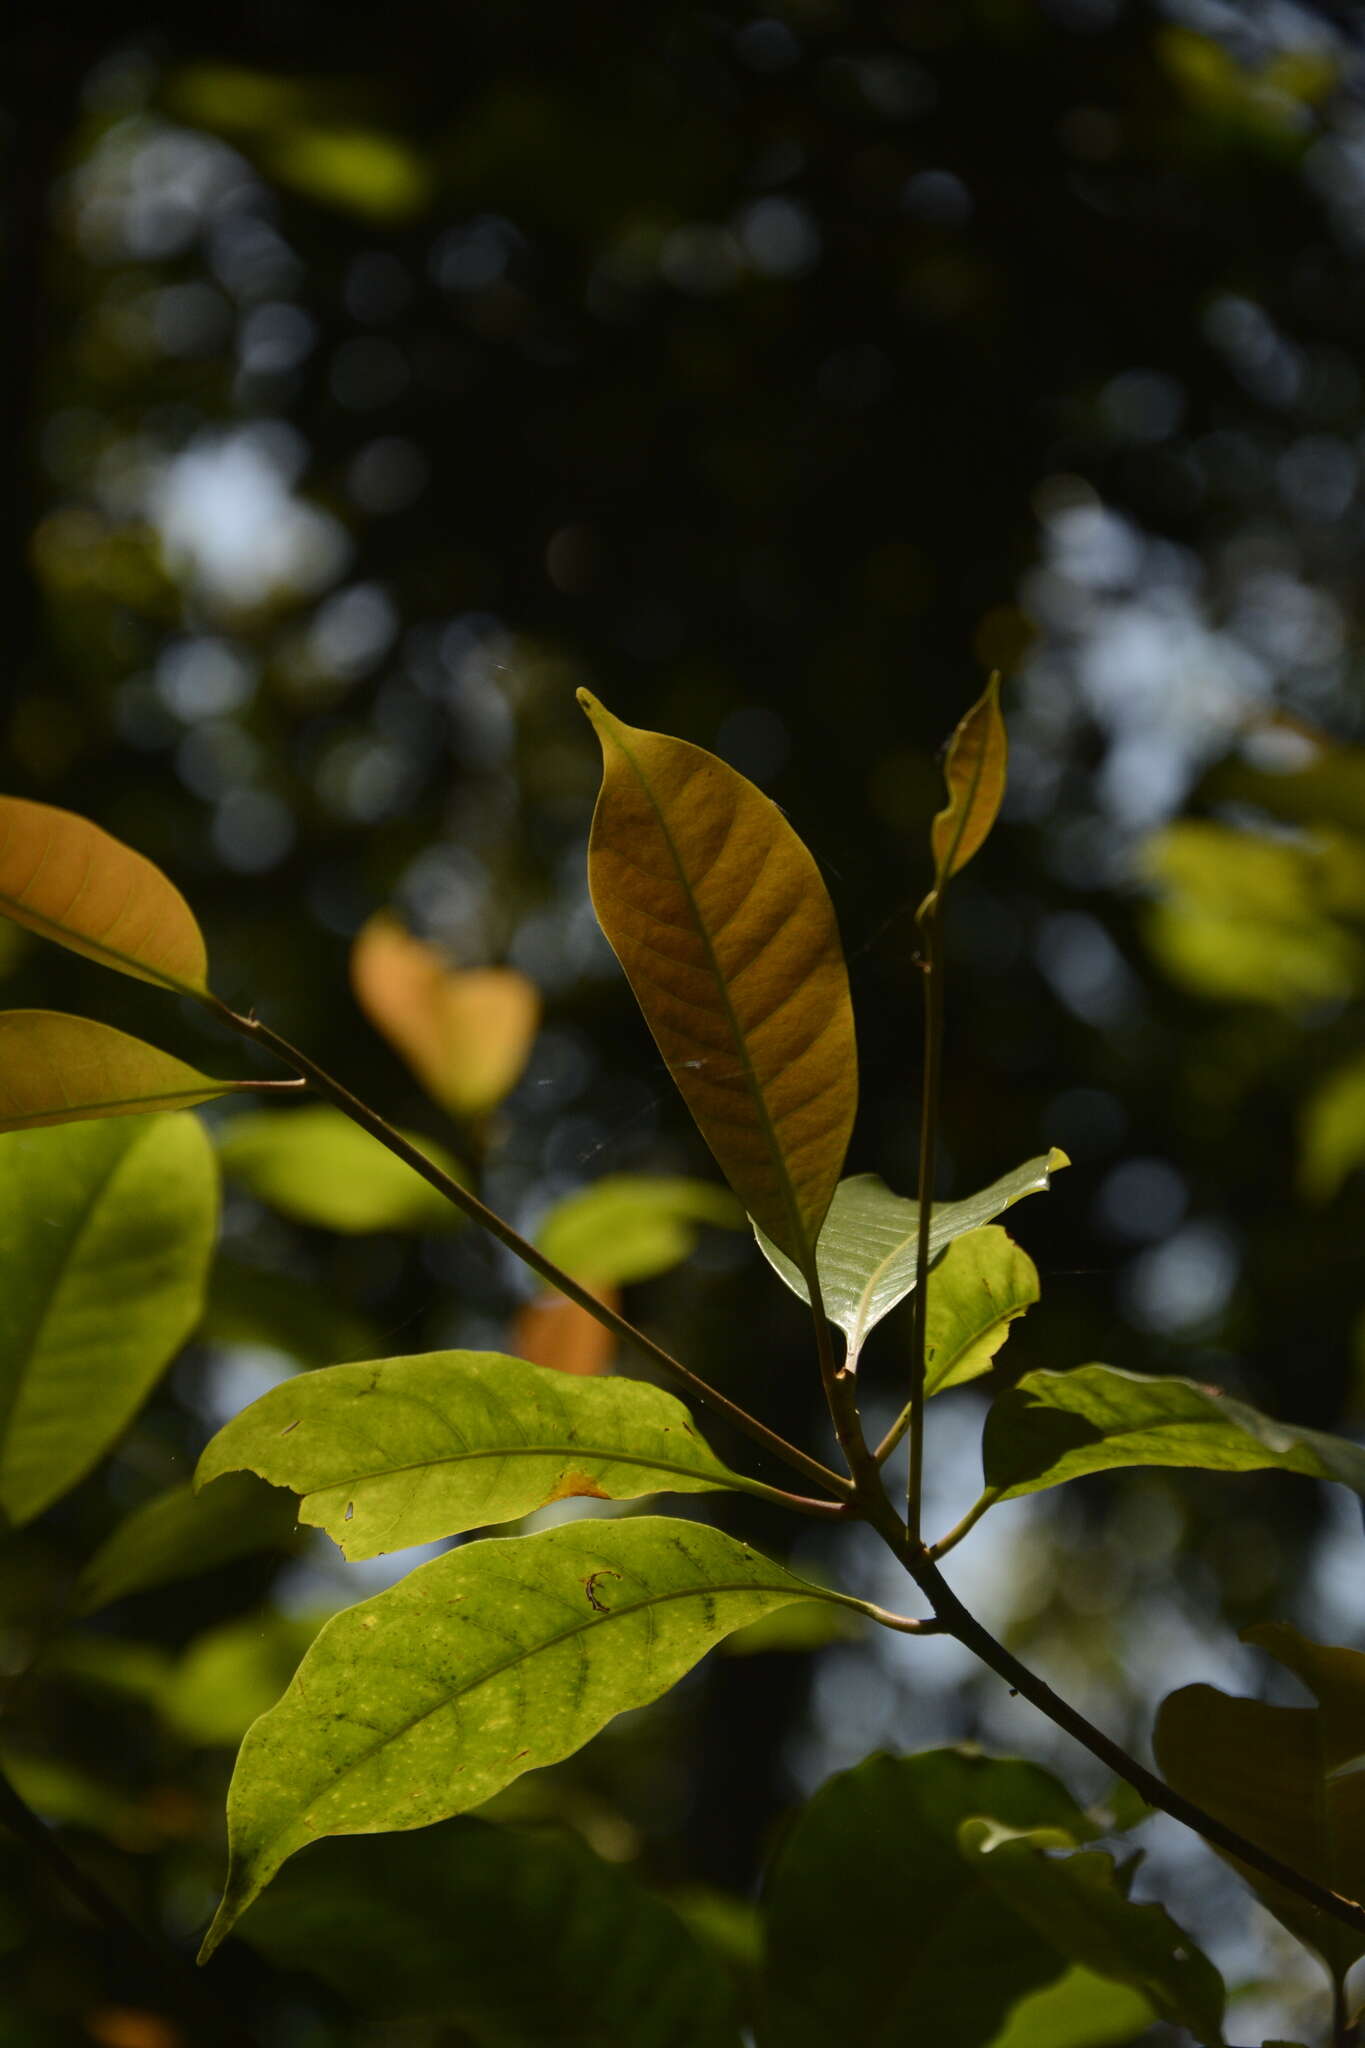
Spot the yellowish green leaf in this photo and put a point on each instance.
(66, 879)
(56, 1069)
(979, 1287)
(975, 774)
(1333, 1131)
(465, 1033)
(316, 1165)
(633, 1226)
(363, 170)
(1079, 2010)
(726, 933)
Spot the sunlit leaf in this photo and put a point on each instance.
(1333, 1131)
(466, 1033)
(231, 1675)
(1079, 1904)
(974, 771)
(934, 1953)
(180, 1534)
(409, 1449)
(56, 1069)
(1080, 2010)
(65, 878)
(443, 1921)
(494, 1659)
(1055, 1426)
(869, 1244)
(554, 1332)
(317, 1166)
(106, 1231)
(979, 1287)
(1288, 1778)
(633, 1226)
(726, 933)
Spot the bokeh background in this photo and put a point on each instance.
(372, 381)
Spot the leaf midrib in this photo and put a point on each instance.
(569, 1451)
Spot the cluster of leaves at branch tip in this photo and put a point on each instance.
(510, 1652)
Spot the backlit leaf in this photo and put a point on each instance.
(1333, 1131)
(1055, 1426)
(443, 1921)
(106, 1231)
(1288, 1778)
(725, 930)
(466, 1033)
(65, 878)
(869, 1244)
(974, 771)
(56, 1069)
(633, 1226)
(977, 1289)
(181, 1533)
(1080, 2010)
(317, 1166)
(406, 1450)
(494, 1659)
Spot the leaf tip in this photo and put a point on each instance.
(1057, 1159)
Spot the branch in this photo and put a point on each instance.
(928, 1141)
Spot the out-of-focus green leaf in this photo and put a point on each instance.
(974, 771)
(61, 1792)
(495, 1659)
(106, 1231)
(56, 1069)
(979, 1287)
(231, 1675)
(316, 1166)
(633, 1226)
(809, 1625)
(446, 1921)
(1078, 1904)
(66, 879)
(252, 1305)
(1055, 1426)
(724, 927)
(368, 171)
(1333, 1131)
(1288, 1778)
(868, 1247)
(933, 1951)
(1080, 2010)
(406, 1450)
(180, 1534)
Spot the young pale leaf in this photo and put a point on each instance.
(179, 1534)
(975, 774)
(979, 1287)
(1079, 1905)
(868, 1247)
(719, 917)
(1055, 1426)
(935, 1954)
(317, 1166)
(633, 1226)
(406, 1450)
(1080, 2010)
(442, 1921)
(495, 1659)
(107, 1231)
(1288, 1778)
(466, 1033)
(65, 878)
(56, 1069)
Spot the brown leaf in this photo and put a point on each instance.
(553, 1331)
(975, 774)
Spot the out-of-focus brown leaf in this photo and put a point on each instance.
(553, 1331)
(975, 774)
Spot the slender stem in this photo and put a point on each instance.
(928, 1144)
(369, 1120)
(967, 1524)
(959, 1622)
(184, 1992)
(840, 1389)
(894, 1434)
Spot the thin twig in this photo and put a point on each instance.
(369, 1120)
(969, 1521)
(928, 1140)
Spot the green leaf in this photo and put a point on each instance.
(497, 1658)
(56, 1069)
(868, 1247)
(870, 1890)
(406, 1450)
(445, 1921)
(1333, 1131)
(725, 930)
(180, 1534)
(633, 1226)
(1080, 2010)
(66, 879)
(316, 1166)
(979, 1287)
(975, 774)
(106, 1231)
(1288, 1778)
(1055, 1426)
(1078, 1904)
